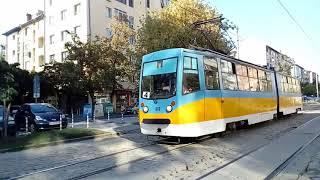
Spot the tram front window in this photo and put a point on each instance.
(160, 86)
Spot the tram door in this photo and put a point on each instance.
(212, 89)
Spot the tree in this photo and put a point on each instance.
(97, 65)
(309, 89)
(61, 79)
(183, 24)
(7, 90)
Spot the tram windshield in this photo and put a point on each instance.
(159, 86)
(159, 79)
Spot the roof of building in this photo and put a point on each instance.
(18, 28)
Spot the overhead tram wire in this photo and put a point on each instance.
(296, 22)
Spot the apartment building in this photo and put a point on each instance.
(88, 19)
(25, 43)
(2, 51)
(42, 38)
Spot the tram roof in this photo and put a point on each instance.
(177, 51)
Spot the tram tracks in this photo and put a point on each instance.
(110, 167)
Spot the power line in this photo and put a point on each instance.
(294, 20)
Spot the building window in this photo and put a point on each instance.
(26, 31)
(76, 9)
(121, 15)
(148, 3)
(122, 1)
(63, 35)
(64, 56)
(51, 19)
(164, 3)
(40, 42)
(51, 39)
(51, 58)
(41, 60)
(29, 54)
(63, 14)
(132, 40)
(34, 36)
(108, 33)
(76, 30)
(109, 12)
(50, 2)
(13, 52)
(131, 3)
(131, 21)
(14, 37)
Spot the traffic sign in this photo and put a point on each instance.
(36, 86)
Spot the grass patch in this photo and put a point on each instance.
(46, 137)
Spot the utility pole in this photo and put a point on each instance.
(317, 85)
(238, 48)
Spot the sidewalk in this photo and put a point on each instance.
(114, 125)
(271, 159)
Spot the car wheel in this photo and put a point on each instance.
(32, 128)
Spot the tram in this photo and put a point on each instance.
(192, 93)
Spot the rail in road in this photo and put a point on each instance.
(149, 145)
(267, 161)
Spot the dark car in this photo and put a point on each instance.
(133, 109)
(40, 116)
(11, 124)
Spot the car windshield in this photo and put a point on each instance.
(42, 109)
(159, 86)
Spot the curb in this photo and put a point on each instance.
(57, 142)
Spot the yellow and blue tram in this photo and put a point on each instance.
(191, 93)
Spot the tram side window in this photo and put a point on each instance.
(253, 79)
(263, 81)
(211, 73)
(190, 75)
(229, 78)
(242, 76)
(269, 82)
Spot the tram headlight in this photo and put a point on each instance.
(145, 109)
(169, 108)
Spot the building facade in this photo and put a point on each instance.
(298, 72)
(2, 51)
(25, 43)
(41, 40)
(89, 19)
(278, 61)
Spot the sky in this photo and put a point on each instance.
(13, 13)
(267, 21)
(261, 20)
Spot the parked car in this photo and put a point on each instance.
(133, 109)
(11, 124)
(40, 116)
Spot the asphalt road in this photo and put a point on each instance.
(135, 156)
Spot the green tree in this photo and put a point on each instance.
(61, 79)
(7, 90)
(98, 65)
(309, 89)
(181, 24)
